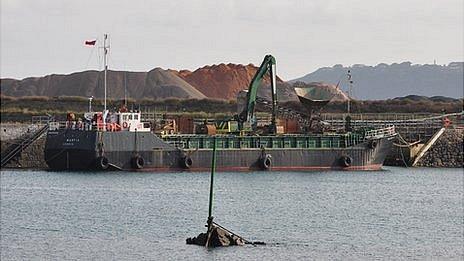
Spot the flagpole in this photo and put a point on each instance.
(105, 52)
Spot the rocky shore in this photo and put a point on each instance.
(446, 152)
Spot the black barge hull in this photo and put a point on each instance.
(90, 150)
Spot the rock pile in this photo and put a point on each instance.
(446, 152)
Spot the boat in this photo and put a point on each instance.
(123, 141)
(83, 148)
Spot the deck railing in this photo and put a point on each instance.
(380, 133)
(76, 125)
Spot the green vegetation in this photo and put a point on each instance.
(391, 106)
(21, 109)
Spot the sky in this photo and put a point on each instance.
(41, 37)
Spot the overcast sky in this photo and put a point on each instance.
(40, 37)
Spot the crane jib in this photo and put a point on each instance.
(268, 65)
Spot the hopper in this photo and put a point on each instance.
(313, 98)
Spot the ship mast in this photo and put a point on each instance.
(125, 89)
(350, 81)
(350, 89)
(105, 61)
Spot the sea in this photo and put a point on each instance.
(393, 214)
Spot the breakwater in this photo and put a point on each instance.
(447, 151)
(32, 156)
(12, 131)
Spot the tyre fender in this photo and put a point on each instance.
(102, 163)
(137, 162)
(345, 161)
(265, 162)
(186, 162)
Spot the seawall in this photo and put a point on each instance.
(446, 152)
(31, 157)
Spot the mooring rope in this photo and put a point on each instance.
(402, 158)
(404, 145)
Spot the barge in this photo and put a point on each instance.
(131, 146)
(122, 141)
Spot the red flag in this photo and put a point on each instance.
(90, 42)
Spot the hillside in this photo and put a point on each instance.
(385, 81)
(156, 84)
(224, 81)
(425, 98)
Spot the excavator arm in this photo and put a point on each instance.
(248, 113)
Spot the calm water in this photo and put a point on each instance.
(393, 214)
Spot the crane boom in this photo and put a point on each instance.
(248, 113)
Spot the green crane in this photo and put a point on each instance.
(248, 113)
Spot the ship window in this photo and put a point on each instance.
(136, 116)
(130, 116)
(124, 117)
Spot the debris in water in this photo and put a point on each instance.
(216, 235)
